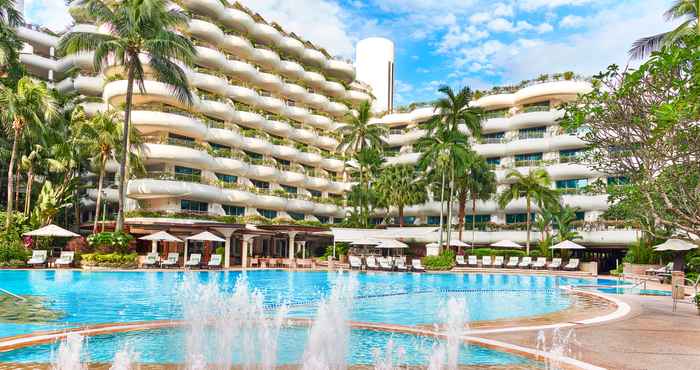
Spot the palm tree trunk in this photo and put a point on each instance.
(527, 226)
(10, 178)
(442, 208)
(449, 204)
(125, 148)
(401, 223)
(17, 179)
(99, 196)
(473, 220)
(28, 191)
(461, 213)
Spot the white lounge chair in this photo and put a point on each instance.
(214, 262)
(371, 263)
(417, 266)
(171, 261)
(486, 261)
(525, 263)
(355, 262)
(460, 261)
(540, 263)
(661, 270)
(38, 258)
(555, 264)
(401, 264)
(194, 261)
(65, 259)
(498, 261)
(472, 261)
(512, 262)
(572, 265)
(151, 260)
(385, 264)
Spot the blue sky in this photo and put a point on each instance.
(479, 43)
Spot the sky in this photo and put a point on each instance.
(476, 43)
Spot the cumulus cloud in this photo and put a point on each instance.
(571, 21)
(530, 5)
(48, 13)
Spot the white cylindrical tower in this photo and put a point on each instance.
(375, 67)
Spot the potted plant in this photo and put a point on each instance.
(696, 299)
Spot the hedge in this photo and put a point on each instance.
(110, 260)
(445, 261)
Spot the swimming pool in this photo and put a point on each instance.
(86, 298)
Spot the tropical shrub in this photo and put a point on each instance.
(220, 251)
(641, 253)
(115, 260)
(109, 242)
(445, 261)
(13, 254)
(341, 249)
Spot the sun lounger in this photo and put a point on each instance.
(65, 259)
(371, 263)
(498, 261)
(540, 263)
(151, 260)
(171, 261)
(460, 261)
(512, 262)
(38, 258)
(355, 263)
(401, 264)
(555, 264)
(385, 264)
(417, 266)
(661, 270)
(214, 262)
(572, 265)
(472, 261)
(486, 261)
(525, 263)
(194, 261)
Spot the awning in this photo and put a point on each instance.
(567, 244)
(506, 244)
(161, 236)
(51, 230)
(366, 241)
(206, 236)
(675, 245)
(391, 244)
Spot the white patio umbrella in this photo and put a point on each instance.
(567, 244)
(204, 236)
(391, 244)
(432, 245)
(506, 244)
(457, 243)
(51, 230)
(679, 247)
(160, 236)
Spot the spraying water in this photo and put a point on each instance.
(125, 359)
(390, 359)
(446, 354)
(562, 345)
(69, 352)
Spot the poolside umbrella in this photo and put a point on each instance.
(679, 247)
(204, 236)
(567, 244)
(160, 236)
(506, 244)
(391, 244)
(51, 230)
(457, 243)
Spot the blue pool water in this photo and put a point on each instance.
(395, 298)
(162, 347)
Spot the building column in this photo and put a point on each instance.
(303, 249)
(227, 233)
(247, 239)
(154, 246)
(292, 235)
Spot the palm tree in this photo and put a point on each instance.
(29, 105)
(536, 185)
(136, 27)
(452, 111)
(359, 133)
(368, 161)
(688, 10)
(401, 186)
(10, 18)
(478, 182)
(563, 219)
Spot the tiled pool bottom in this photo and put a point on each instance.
(166, 346)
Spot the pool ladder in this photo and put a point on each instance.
(12, 294)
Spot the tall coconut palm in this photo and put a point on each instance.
(401, 186)
(688, 11)
(478, 182)
(368, 162)
(536, 185)
(453, 114)
(136, 28)
(29, 105)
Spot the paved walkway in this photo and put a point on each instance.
(650, 337)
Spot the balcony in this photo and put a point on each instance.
(524, 135)
(529, 163)
(536, 108)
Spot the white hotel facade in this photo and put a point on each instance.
(261, 136)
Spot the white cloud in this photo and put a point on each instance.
(571, 21)
(504, 25)
(503, 10)
(530, 5)
(544, 28)
(480, 17)
(500, 25)
(403, 87)
(49, 13)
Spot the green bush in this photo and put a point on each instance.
(641, 253)
(220, 251)
(445, 261)
(118, 260)
(110, 242)
(13, 251)
(507, 253)
(534, 253)
(341, 249)
(481, 252)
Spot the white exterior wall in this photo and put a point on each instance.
(375, 66)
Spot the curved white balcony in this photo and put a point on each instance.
(231, 165)
(556, 88)
(148, 122)
(208, 82)
(286, 152)
(248, 119)
(205, 30)
(291, 69)
(261, 172)
(242, 94)
(264, 33)
(36, 37)
(109, 194)
(277, 128)
(157, 153)
(341, 68)
(295, 91)
(238, 46)
(85, 85)
(291, 45)
(329, 210)
(357, 96)
(236, 19)
(301, 206)
(291, 178)
(270, 81)
(333, 164)
(335, 89)
(314, 57)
